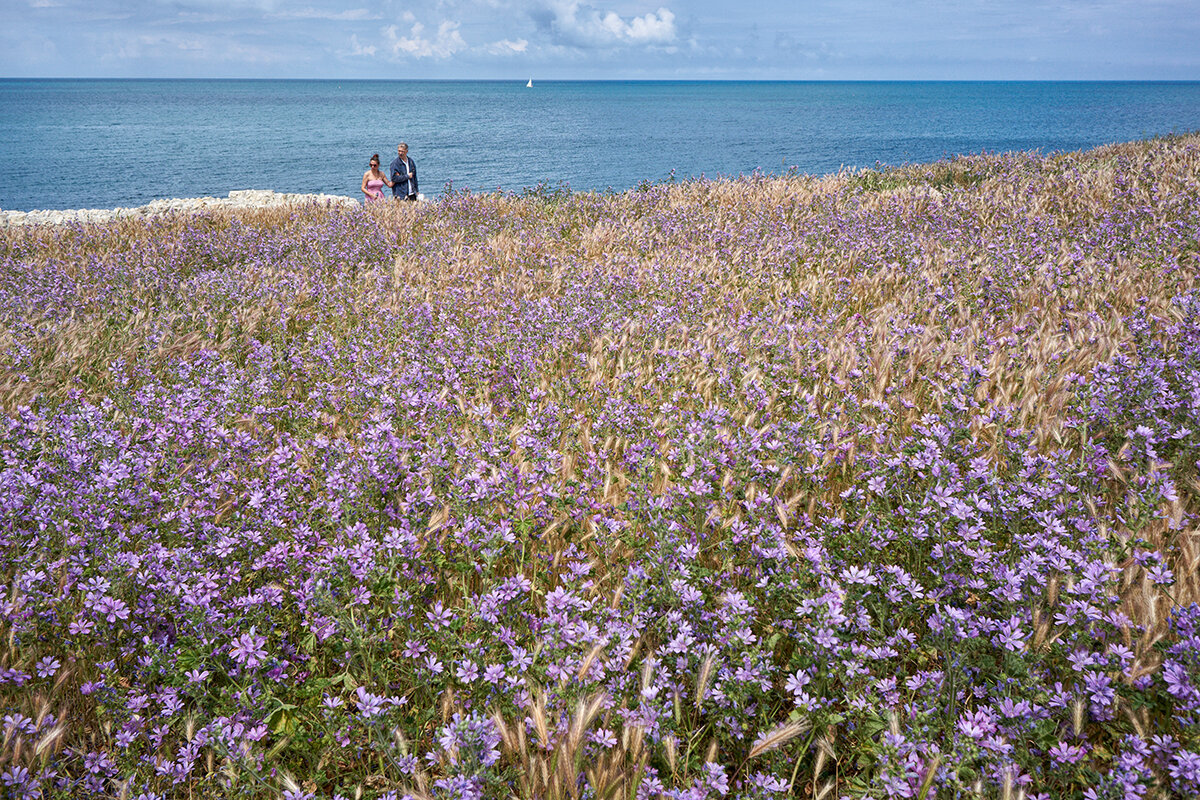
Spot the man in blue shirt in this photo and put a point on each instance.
(404, 175)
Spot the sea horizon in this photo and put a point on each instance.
(525, 76)
(124, 142)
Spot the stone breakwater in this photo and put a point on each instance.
(240, 199)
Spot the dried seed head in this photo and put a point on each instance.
(590, 659)
(704, 676)
(538, 712)
(586, 711)
(1006, 786)
(777, 737)
(1052, 590)
(930, 774)
(50, 740)
(819, 763)
(447, 703)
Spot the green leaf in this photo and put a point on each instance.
(343, 678)
(282, 721)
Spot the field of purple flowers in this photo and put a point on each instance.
(883, 484)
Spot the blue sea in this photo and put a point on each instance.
(108, 143)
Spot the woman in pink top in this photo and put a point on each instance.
(374, 181)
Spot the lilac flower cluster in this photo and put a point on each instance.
(716, 489)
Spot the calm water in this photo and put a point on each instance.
(106, 143)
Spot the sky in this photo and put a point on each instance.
(604, 39)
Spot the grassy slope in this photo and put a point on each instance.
(790, 420)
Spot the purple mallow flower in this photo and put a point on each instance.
(249, 649)
(370, 705)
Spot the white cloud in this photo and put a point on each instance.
(352, 15)
(191, 48)
(658, 27)
(507, 47)
(136, 47)
(444, 44)
(585, 26)
(358, 49)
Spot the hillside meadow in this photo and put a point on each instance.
(881, 484)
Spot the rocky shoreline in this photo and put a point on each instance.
(240, 199)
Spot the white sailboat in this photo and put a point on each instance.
(530, 84)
